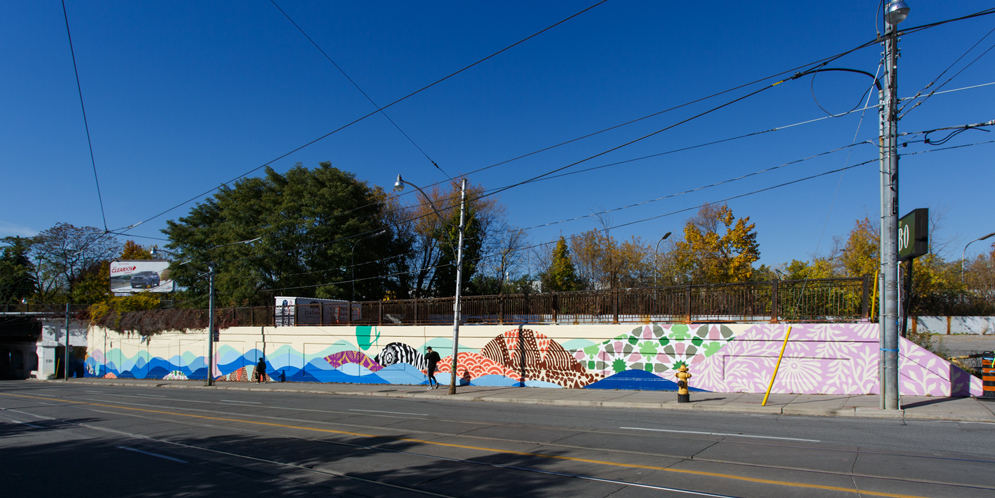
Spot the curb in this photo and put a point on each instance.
(773, 409)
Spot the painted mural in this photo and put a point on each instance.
(819, 358)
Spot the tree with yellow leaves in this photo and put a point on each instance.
(717, 248)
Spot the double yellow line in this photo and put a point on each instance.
(482, 448)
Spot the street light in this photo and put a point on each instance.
(352, 259)
(894, 13)
(657, 257)
(210, 309)
(964, 254)
(399, 186)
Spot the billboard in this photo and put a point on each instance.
(146, 275)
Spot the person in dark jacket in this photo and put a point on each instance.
(261, 369)
(433, 359)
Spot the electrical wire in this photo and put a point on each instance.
(671, 213)
(384, 113)
(954, 63)
(378, 110)
(86, 125)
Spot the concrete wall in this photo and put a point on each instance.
(948, 325)
(819, 358)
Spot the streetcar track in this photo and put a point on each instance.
(851, 475)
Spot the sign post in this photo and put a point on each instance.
(913, 241)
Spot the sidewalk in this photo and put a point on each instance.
(913, 407)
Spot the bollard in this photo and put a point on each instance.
(683, 395)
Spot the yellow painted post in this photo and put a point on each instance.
(772, 377)
(874, 295)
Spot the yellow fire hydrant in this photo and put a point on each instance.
(683, 395)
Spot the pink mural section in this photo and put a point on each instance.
(825, 359)
(338, 359)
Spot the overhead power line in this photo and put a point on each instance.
(361, 118)
(86, 125)
(299, 28)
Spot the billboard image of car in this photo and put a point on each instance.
(148, 275)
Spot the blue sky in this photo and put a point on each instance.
(182, 96)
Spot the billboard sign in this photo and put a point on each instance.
(146, 275)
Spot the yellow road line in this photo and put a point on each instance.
(481, 448)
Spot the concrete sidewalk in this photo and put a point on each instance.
(913, 407)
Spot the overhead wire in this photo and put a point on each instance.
(384, 113)
(671, 213)
(378, 110)
(924, 99)
(86, 125)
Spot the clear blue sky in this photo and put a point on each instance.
(182, 96)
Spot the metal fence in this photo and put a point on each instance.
(820, 300)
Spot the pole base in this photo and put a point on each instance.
(684, 398)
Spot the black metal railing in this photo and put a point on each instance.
(819, 300)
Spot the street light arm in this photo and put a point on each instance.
(399, 185)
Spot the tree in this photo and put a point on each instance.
(435, 240)
(310, 225)
(500, 272)
(63, 253)
(17, 272)
(561, 274)
(861, 254)
(605, 263)
(717, 248)
(132, 251)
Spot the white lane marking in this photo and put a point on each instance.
(722, 434)
(150, 395)
(390, 413)
(96, 392)
(27, 424)
(29, 414)
(237, 401)
(149, 453)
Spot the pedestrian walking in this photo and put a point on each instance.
(433, 359)
(261, 369)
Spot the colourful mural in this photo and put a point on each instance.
(819, 359)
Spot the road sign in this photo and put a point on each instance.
(913, 234)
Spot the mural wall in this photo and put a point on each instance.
(819, 358)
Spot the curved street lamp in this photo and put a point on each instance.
(964, 254)
(399, 186)
(656, 256)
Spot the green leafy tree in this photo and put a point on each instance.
(717, 248)
(17, 272)
(561, 274)
(308, 227)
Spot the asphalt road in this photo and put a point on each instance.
(81, 440)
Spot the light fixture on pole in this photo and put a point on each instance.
(210, 310)
(656, 256)
(894, 13)
(964, 255)
(399, 186)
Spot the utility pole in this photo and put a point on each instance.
(65, 366)
(210, 324)
(895, 12)
(459, 284)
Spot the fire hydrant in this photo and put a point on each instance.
(683, 395)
